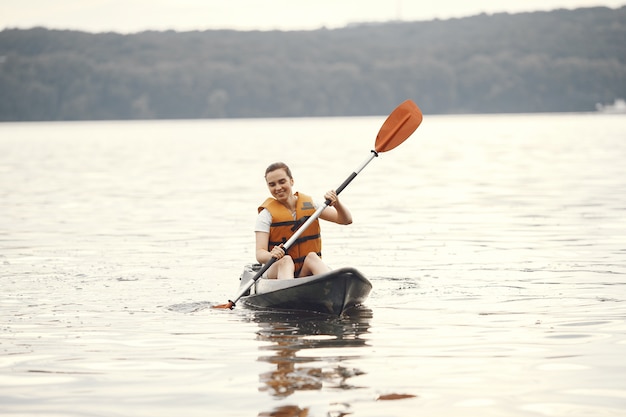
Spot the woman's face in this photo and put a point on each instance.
(279, 184)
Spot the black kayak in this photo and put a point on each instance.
(333, 292)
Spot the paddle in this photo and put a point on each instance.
(400, 124)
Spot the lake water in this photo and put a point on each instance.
(496, 246)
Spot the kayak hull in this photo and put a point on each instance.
(332, 293)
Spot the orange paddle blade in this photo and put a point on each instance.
(400, 124)
(229, 305)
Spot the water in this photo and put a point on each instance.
(496, 246)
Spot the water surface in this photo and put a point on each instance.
(495, 244)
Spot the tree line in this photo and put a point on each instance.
(557, 61)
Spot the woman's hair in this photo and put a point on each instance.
(278, 165)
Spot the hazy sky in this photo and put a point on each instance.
(129, 16)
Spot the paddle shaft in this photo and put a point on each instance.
(355, 173)
(302, 228)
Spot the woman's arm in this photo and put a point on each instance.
(336, 212)
(262, 254)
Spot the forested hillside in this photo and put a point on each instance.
(556, 61)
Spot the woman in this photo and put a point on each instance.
(281, 215)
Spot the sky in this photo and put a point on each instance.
(131, 16)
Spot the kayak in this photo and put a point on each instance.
(333, 292)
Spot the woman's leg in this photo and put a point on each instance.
(284, 268)
(313, 265)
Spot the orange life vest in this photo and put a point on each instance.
(283, 226)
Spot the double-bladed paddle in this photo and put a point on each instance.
(400, 124)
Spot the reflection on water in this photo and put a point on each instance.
(291, 334)
(308, 352)
(287, 411)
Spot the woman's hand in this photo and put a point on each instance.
(332, 197)
(336, 211)
(277, 252)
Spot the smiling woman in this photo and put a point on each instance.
(280, 215)
(120, 15)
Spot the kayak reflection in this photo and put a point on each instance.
(326, 341)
